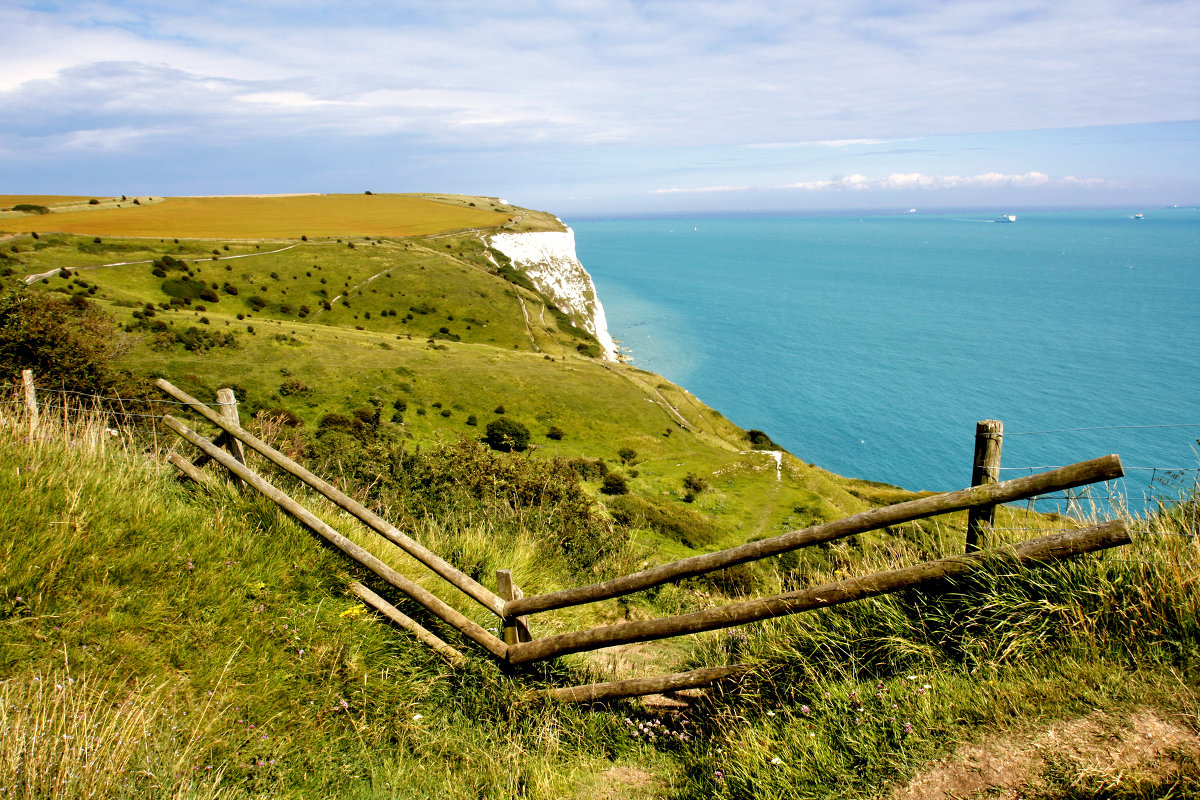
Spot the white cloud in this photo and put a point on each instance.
(917, 180)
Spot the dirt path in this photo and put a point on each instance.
(34, 278)
(528, 327)
(1144, 747)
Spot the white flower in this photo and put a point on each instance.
(416, 717)
(776, 760)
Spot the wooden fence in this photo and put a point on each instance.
(518, 646)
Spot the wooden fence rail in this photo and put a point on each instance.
(1047, 548)
(518, 646)
(359, 554)
(464, 583)
(1098, 469)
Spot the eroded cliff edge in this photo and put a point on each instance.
(548, 258)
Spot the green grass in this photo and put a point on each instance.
(224, 635)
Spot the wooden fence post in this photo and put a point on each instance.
(30, 399)
(985, 470)
(516, 629)
(229, 410)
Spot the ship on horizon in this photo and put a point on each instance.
(1006, 218)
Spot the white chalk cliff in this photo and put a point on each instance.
(548, 258)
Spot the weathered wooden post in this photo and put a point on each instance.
(30, 399)
(516, 629)
(985, 470)
(228, 403)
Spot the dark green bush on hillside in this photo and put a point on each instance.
(68, 344)
(507, 435)
(184, 287)
(30, 208)
(760, 440)
(614, 483)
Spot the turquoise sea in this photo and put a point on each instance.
(870, 345)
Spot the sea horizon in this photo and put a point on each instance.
(872, 346)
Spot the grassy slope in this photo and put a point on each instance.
(387, 297)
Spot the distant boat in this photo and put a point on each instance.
(912, 211)
(1139, 215)
(1006, 218)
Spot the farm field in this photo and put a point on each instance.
(288, 217)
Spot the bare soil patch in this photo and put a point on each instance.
(1145, 747)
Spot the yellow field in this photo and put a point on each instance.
(260, 217)
(50, 200)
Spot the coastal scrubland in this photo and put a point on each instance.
(169, 639)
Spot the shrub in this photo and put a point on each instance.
(67, 343)
(760, 440)
(472, 420)
(280, 416)
(93, 202)
(588, 469)
(199, 340)
(614, 483)
(694, 484)
(555, 433)
(292, 386)
(30, 208)
(627, 455)
(184, 288)
(507, 435)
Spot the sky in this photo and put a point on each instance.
(609, 107)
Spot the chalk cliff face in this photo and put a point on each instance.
(549, 259)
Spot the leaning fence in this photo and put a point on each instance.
(516, 645)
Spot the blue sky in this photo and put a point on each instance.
(610, 106)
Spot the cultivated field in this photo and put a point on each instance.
(287, 217)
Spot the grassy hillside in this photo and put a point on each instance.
(436, 325)
(161, 640)
(167, 640)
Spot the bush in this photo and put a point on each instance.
(556, 433)
(68, 344)
(614, 483)
(30, 208)
(760, 440)
(280, 416)
(184, 288)
(627, 455)
(292, 386)
(694, 484)
(588, 469)
(507, 435)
